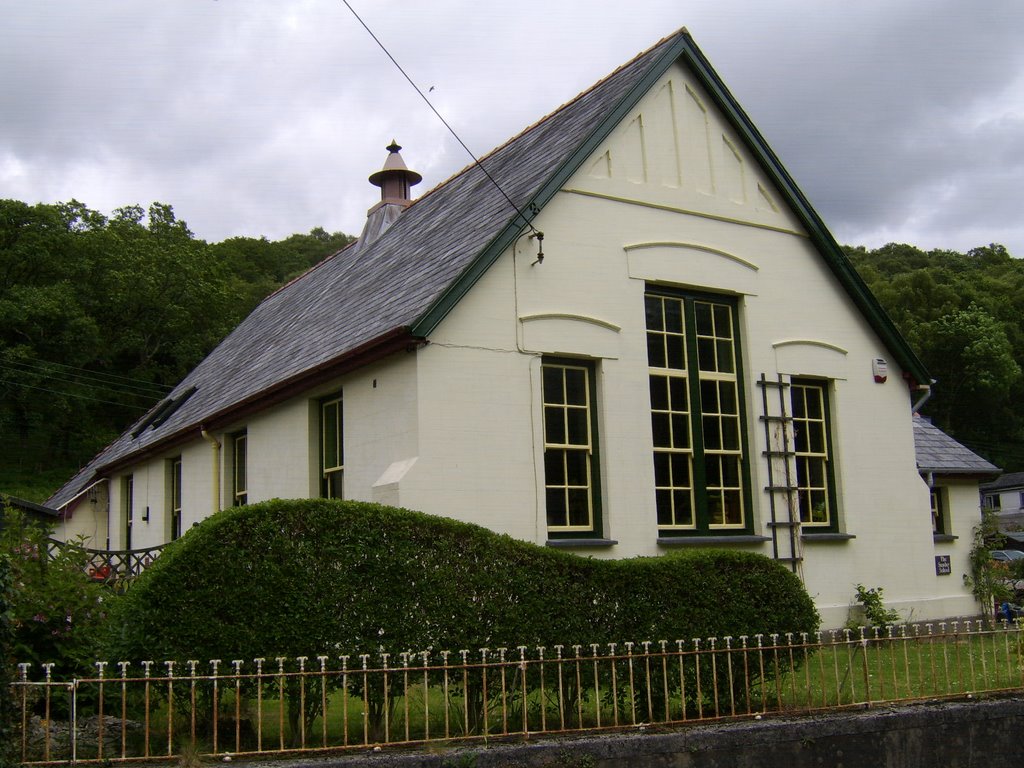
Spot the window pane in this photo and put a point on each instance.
(330, 433)
(655, 350)
(554, 426)
(556, 507)
(727, 397)
(712, 435)
(579, 507)
(662, 470)
(733, 504)
(816, 436)
(553, 384)
(713, 472)
(575, 386)
(730, 471)
(554, 467)
(705, 322)
(662, 431)
(663, 499)
(652, 307)
(673, 315)
(678, 394)
(680, 431)
(731, 434)
(683, 508)
(676, 352)
(681, 470)
(659, 393)
(709, 397)
(579, 433)
(723, 321)
(576, 468)
(725, 357)
(706, 354)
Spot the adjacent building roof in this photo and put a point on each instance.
(1010, 480)
(363, 303)
(940, 454)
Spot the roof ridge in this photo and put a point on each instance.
(550, 115)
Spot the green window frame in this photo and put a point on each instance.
(812, 445)
(174, 498)
(572, 477)
(239, 469)
(127, 509)
(332, 447)
(698, 431)
(940, 525)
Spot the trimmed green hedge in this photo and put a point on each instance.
(300, 577)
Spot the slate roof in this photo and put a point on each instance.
(1009, 480)
(940, 454)
(373, 300)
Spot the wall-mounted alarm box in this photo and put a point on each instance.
(880, 370)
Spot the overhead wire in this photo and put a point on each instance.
(76, 395)
(537, 233)
(83, 375)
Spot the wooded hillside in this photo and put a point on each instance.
(100, 317)
(964, 315)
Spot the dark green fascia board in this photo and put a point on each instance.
(441, 306)
(683, 48)
(820, 235)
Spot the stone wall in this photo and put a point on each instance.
(966, 733)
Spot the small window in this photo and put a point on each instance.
(571, 477)
(812, 444)
(332, 448)
(127, 510)
(239, 482)
(174, 499)
(993, 501)
(940, 525)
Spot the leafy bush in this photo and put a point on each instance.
(55, 609)
(7, 740)
(294, 577)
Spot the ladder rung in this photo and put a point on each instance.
(781, 488)
(770, 383)
(790, 559)
(778, 453)
(783, 524)
(784, 419)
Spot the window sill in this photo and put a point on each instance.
(579, 543)
(831, 536)
(943, 538)
(703, 541)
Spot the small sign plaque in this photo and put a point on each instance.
(942, 565)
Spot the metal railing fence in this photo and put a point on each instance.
(117, 568)
(161, 711)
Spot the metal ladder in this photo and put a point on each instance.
(781, 489)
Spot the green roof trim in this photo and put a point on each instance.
(682, 49)
(818, 231)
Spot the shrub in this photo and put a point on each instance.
(7, 721)
(55, 610)
(293, 578)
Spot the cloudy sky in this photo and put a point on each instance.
(902, 120)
